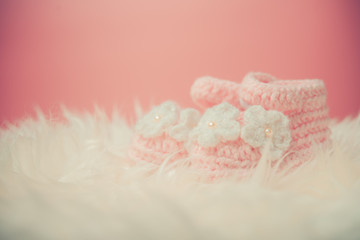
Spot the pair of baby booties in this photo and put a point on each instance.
(285, 121)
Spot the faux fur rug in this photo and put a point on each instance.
(72, 180)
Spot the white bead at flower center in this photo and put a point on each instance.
(157, 117)
(268, 132)
(211, 124)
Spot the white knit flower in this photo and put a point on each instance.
(263, 127)
(189, 117)
(158, 120)
(218, 124)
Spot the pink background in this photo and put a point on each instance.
(110, 52)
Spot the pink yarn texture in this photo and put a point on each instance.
(156, 150)
(285, 121)
(302, 101)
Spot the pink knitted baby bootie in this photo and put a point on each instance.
(161, 133)
(284, 120)
(304, 104)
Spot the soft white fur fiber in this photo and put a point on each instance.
(71, 179)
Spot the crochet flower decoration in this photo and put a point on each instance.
(263, 127)
(218, 124)
(188, 119)
(158, 120)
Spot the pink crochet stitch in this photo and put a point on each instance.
(209, 91)
(161, 133)
(156, 150)
(284, 119)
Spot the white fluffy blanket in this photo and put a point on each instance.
(71, 179)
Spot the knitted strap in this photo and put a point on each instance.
(208, 91)
(282, 95)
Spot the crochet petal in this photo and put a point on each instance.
(225, 110)
(277, 119)
(195, 132)
(190, 117)
(255, 115)
(170, 113)
(282, 140)
(179, 132)
(228, 130)
(169, 106)
(208, 139)
(253, 135)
